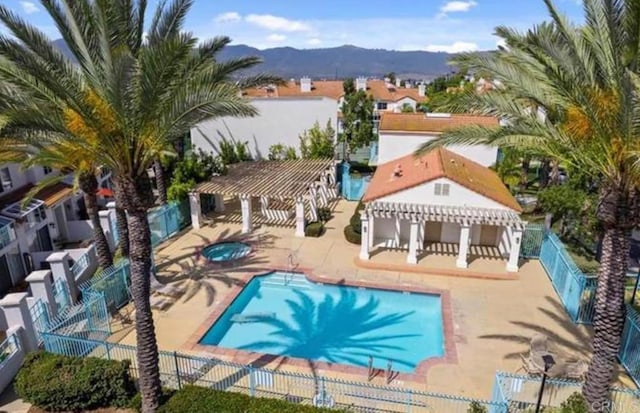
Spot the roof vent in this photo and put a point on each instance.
(438, 115)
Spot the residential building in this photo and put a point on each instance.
(402, 133)
(286, 111)
(441, 198)
(29, 231)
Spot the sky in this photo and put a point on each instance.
(431, 25)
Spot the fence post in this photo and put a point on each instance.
(175, 360)
(252, 381)
(107, 227)
(16, 312)
(108, 350)
(59, 263)
(41, 286)
(409, 400)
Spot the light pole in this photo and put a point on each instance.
(548, 363)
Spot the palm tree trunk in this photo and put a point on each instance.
(160, 182)
(616, 215)
(89, 185)
(123, 231)
(147, 348)
(136, 196)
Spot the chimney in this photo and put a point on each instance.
(422, 88)
(361, 83)
(305, 84)
(398, 82)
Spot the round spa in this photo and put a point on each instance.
(226, 251)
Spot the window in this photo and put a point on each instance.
(5, 180)
(46, 170)
(382, 105)
(442, 190)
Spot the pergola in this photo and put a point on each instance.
(275, 182)
(417, 214)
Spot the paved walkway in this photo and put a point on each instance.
(493, 320)
(10, 403)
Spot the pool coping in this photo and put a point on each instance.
(248, 357)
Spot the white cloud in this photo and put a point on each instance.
(276, 38)
(29, 7)
(230, 16)
(457, 6)
(270, 22)
(314, 42)
(455, 47)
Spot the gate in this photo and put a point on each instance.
(532, 241)
(40, 316)
(60, 294)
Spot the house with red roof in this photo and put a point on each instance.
(441, 198)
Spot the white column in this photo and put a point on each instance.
(196, 210)
(421, 228)
(412, 258)
(41, 286)
(364, 236)
(247, 214)
(59, 264)
(105, 223)
(396, 233)
(219, 202)
(372, 232)
(299, 217)
(463, 247)
(16, 311)
(514, 252)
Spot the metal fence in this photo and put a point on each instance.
(630, 348)
(61, 294)
(520, 393)
(8, 348)
(168, 220)
(177, 369)
(113, 282)
(353, 188)
(80, 265)
(575, 289)
(88, 319)
(40, 317)
(532, 241)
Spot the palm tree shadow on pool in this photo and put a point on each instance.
(338, 329)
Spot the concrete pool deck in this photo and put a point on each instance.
(493, 320)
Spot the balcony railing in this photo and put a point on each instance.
(7, 233)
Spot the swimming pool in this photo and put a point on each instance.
(287, 315)
(226, 251)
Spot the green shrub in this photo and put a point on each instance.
(352, 236)
(324, 214)
(574, 404)
(356, 223)
(194, 399)
(314, 229)
(58, 383)
(476, 407)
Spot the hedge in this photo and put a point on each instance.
(352, 236)
(314, 229)
(59, 383)
(195, 399)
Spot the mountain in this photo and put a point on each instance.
(335, 62)
(343, 61)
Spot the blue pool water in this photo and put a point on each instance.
(287, 315)
(226, 251)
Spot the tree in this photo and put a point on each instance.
(280, 152)
(563, 202)
(508, 169)
(407, 108)
(192, 169)
(134, 90)
(585, 81)
(391, 76)
(317, 143)
(357, 117)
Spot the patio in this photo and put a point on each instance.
(493, 320)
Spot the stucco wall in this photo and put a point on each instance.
(458, 196)
(396, 145)
(280, 120)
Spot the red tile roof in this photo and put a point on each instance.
(333, 89)
(50, 195)
(420, 122)
(439, 163)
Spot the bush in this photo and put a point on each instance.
(476, 407)
(314, 229)
(194, 399)
(574, 404)
(324, 214)
(352, 236)
(59, 383)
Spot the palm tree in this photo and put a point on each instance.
(586, 82)
(131, 95)
(67, 159)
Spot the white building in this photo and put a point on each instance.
(30, 232)
(441, 198)
(402, 133)
(285, 112)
